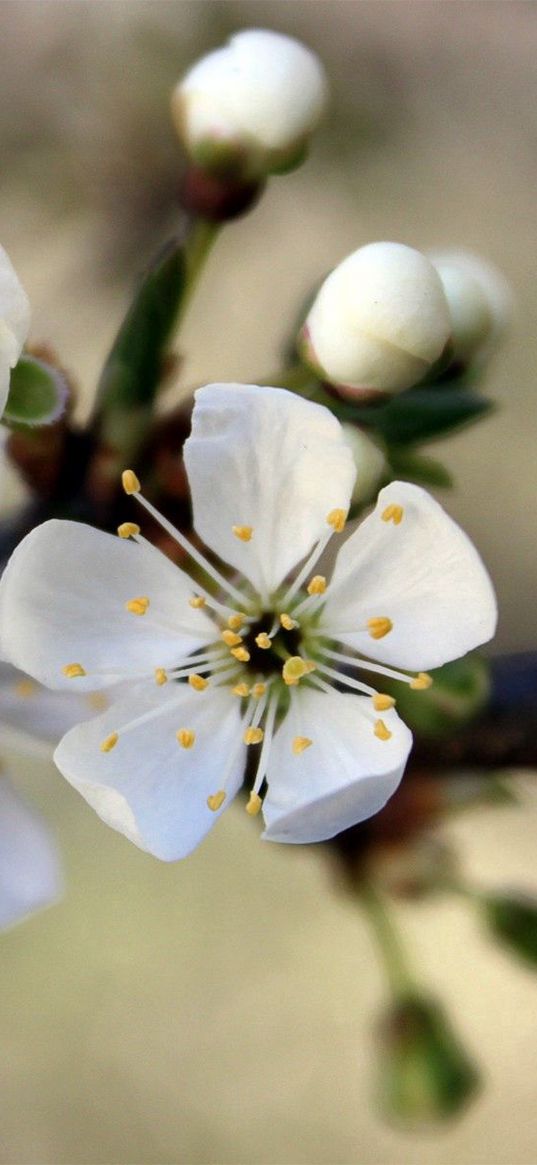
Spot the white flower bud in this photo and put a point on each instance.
(379, 322)
(479, 301)
(14, 322)
(370, 461)
(251, 104)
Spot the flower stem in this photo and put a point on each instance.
(203, 235)
(390, 947)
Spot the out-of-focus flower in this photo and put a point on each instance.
(33, 719)
(479, 299)
(379, 322)
(250, 107)
(262, 664)
(14, 322)
(30, 872)
(370, 462)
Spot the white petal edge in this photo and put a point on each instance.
(423, 574)
(30, 871)
(345, 776)
(33, 719)
(148, 787)
(62, 600)
(264, 458)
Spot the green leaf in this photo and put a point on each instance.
(423, 413)
(412, 466)
(133, 369)
(513, 920)
(460, 690)
(37, 393)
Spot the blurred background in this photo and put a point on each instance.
(222, 1010)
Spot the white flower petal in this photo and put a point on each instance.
(345, 776)
(30, 876)
(33, 719)
(14, 322)
(148, 787)
(264, 458)
(62, 600)
(423, 574)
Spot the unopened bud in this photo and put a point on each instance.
(14, 322)
(248, 108)
(379, 322)
(370, 464)
(479, 300)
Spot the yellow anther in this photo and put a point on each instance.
(301, 743)
(110, 742)
(379, 626)
(231, 638)
(310, 666)
(263, 641)
(258, 690)
(73, 670)
(294, 668)
(381, 702)
(186, 737)
(337, 519)
(241, 690)
(393, 514)
(197, 601)
(317, 586)
(243, 533)
(253, 736)
(198, 683)
(287, 622)
(216, 800)
(128, 529)
(421, 682)
(130, 482)
(137, 606)
(241, 653)
(161, 676)
(381, 731)
(25, 688)
(236, 621)
(254, 805)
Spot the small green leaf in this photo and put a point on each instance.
(423, 413)
(411, 466)
(513, 920)
(37, 393)
(460, 690)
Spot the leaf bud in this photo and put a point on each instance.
(479, 300)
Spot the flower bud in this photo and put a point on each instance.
(378, 323)
(249, 107)
(370, 462)
(14, 322)
(479, 301)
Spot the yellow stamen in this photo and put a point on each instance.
(381, 702)
(253, 736)
(254, 805)
(130, 482)
(243, 533)
(185, 737)
(231, 638)
(25, 688)
(137, 606)
(216, 800)
(128, 529)
(241, 653)
(263, 641)
(379, 626)
(258, 690)
(110, 742)
(393, 514)
(381, 731)
(197, 601)
(295, 667)
(301, 743)
(72, 670)
(287, 622)
(337, 519)
(198, 683)
(421, 682)
(235, 622)
(317, 586)
(161, 676)
(241, 689)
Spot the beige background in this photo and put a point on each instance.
(220, 1010)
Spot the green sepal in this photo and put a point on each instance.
(512, 919)
(37, 394)
(426, 1074)
(460, 690)
(407, 465)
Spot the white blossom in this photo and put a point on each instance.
(30, 871)
(379, 322)
(14, 322)
(269, 662)
(255, 101)
(479, 299)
